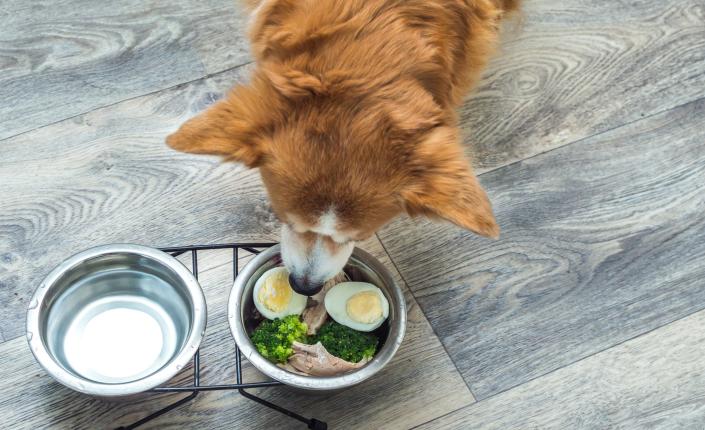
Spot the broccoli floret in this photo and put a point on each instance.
(346, 343)
(273, 339)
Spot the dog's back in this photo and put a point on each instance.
(360, 44)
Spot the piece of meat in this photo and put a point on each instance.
(315, 315)
(315, 360)
(289, 368)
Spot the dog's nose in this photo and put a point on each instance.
(302, 286)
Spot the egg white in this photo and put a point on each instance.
(296, 305)
(336, 304)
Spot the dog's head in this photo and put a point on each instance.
(339, 161)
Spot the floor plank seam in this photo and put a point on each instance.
(441, 416)
(582, 139)
(206, 76)
(429, 322)
(480, 400)
(594, 353)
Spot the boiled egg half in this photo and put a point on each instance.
(358, 305)
(274, 297)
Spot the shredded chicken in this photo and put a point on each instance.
(289, 368)
(314, 360)
(315, 315)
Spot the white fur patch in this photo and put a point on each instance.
(327, 224)
(316, 264)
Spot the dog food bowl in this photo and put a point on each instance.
(361, 267)
(116, 320)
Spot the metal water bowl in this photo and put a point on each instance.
(116, 320)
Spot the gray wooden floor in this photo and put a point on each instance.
(589, 134)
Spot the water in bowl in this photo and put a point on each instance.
(115, 327)
(117, 343)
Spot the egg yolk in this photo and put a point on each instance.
(364, 307)
(275, 294)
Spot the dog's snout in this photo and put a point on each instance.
(303, 286)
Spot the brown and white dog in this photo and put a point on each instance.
(350, 118)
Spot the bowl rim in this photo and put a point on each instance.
(316, 383)
(165, 373)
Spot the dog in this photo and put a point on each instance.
(350, 118)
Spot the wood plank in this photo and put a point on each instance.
(656, 381)
(575, 68)
(62, 58)
(406, 393)
(602, 240)
(108, 177)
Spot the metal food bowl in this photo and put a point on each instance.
(361, 267)
(116, 320)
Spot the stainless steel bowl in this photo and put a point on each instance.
(361, 267)
(116, 320)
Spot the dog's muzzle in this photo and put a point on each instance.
(303, 286)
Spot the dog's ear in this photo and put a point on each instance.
(229, 128)
(442, 185)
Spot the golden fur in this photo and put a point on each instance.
(352, 107)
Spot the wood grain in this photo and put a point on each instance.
(574, 68)
(108, 177)
(420, 384)
(656, 381)
(61, 58)
(602, 240)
